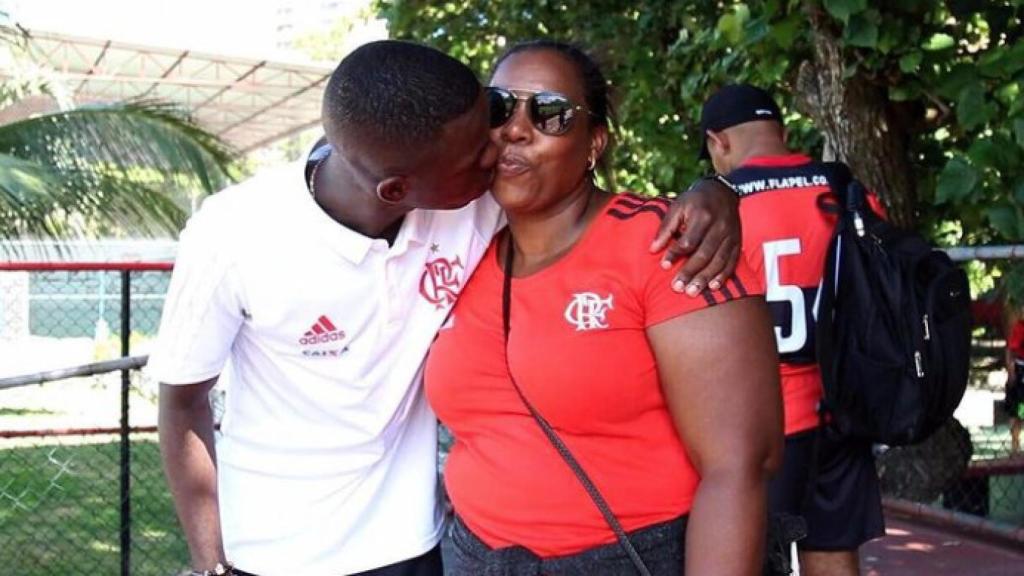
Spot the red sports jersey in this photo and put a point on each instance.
(1015, 342)
(578, 349)
(785, 239)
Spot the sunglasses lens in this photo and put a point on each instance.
(501, 104)
(552, 113)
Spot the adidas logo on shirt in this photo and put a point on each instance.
(323, 330)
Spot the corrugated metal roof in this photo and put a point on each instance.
(249, 103)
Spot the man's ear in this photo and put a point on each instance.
(718, 140)
(392, 190)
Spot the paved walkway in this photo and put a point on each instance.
(912, 549)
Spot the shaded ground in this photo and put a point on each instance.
(913, 549)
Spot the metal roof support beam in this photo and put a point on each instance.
(237, 81)
(275, 104)
(171, 68)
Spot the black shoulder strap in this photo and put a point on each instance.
(839, 177)
(549, 431)
(835, 202)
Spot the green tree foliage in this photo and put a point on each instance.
(944, 77)
(332, 43)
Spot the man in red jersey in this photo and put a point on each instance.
(785, 238)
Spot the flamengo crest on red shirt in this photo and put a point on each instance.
(587, 311)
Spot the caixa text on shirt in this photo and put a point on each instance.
(325, 353)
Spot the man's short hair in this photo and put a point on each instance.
(398, 92)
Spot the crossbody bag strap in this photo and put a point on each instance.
(556, 441)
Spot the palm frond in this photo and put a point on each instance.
(26, 198)
(123, 137)
(105, 168)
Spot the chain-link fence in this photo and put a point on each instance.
(81, 485)
(972, 465)
(77, 499)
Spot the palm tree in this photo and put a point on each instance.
(105, 169)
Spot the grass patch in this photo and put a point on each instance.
(26, 412)
(60, 511)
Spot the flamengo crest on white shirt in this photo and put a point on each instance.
(587, 311)
(441, 279)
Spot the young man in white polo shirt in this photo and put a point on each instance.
(325, 287)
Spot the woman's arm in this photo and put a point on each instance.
(720, 374)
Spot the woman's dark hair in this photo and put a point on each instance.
(595, 89)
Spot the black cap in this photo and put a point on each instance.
(735, 104)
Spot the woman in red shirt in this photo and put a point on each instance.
(669, 403)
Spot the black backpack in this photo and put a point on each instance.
(894, 325)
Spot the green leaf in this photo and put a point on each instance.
(981, 152)
(938, 42)
(731, 24)
(843, 9)
(994, 63)
(787, 31)
(971, 108)
(1008, 94)
(910, 62)
(861, 32)
(997, 151)
(1018, 193)
(956, 182)
(1005, 219)
(953, 82)
(891, 35)
(1018, 131)
(904, 93)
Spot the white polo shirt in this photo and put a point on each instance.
(327, 460)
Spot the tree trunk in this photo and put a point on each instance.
(856, 121)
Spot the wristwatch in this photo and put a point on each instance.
(221, 569)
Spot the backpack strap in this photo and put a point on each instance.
(835, 202)
(839, 177)
(838, 201)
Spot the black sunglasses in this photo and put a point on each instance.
(550, 112)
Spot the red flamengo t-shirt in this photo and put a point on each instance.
(785, 240)
(579, 351)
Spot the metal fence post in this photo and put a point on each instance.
(126, 501)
